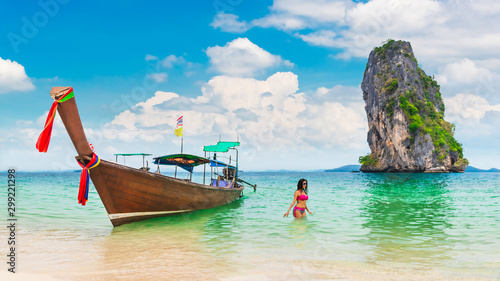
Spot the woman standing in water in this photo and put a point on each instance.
(300, 196)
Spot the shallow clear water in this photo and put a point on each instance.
(364, 227)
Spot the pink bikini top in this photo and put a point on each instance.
(302, 197)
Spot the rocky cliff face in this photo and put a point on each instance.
(407, 130)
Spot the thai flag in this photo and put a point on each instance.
(179, 131)
(179, 122)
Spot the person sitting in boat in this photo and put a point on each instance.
(300, 197)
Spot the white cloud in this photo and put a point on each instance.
(394, 16)
(463, 72)
(492, 64)
(229, 23)
(159, 98)
(477, 122)
(339, 93)
(241, 57)
(126, 119)
(157, 67)
(441, 31)
(320, 38)
(319, 10)
(470, 77)
(247, 93)
(468, 108)
(150, 57)
(288, 15)
(13, 77)
(368, 24)
(269, 115)
(298, 14)
(485, 6)
(340, 124)
(283, 22)
(172, 60)
(158, 77)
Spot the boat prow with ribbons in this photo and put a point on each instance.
(131, 194)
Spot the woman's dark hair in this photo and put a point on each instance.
(300, 185)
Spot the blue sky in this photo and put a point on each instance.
(282, 76)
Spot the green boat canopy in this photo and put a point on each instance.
(222, 146)
(185, 161)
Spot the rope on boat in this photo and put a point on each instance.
(83, 192)
(44, 139)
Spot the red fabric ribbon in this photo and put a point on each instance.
(44, 139)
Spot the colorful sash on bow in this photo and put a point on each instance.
(44, 139)
(83, 193)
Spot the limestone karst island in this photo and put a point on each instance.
(405, 110)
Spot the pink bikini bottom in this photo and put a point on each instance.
(301, 210)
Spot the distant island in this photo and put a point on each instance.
(346, 168)
(469, 169)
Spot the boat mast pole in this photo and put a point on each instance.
(211, 170)
(236, 176)
(182, 144)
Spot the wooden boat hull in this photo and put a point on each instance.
(131, 195)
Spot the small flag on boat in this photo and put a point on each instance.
(179, 127)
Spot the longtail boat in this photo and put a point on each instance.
(131, 194)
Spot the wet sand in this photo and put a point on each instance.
(177, 254)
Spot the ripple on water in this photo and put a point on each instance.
(362, 224)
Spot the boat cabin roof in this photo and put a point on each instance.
(185, 161)
(222, 146)
(188, 161)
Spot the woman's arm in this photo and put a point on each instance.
(295, 195)
(308, 210)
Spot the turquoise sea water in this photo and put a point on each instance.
(364, 227)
